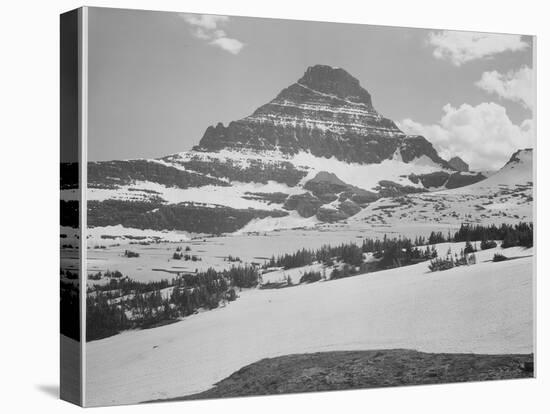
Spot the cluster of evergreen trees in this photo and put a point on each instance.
(242, 276)
(103, 319)
(392, 252)
(178, 255)
(465, 258)
(310, 277)
(108, 275)
(344, 271)
(520, 234)
(402, 251)
(300, 258)
(121, 286)
(488, 244)
(398, 252)
(125, 303)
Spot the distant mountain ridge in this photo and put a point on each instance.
(318, 152)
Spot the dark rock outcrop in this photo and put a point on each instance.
(110, 174)
(330, 215)
(415, 146)
(349, 207)
(228, 169)
(460, 180)
(336, 82)
(459, 164)
(432, 180)
(305, 204)
(328, 187)
(342, 211)
(191, 217)
(442, 179)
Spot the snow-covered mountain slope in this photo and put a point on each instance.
(271, 165)
(304, 166)
(264, 183)
(517, 172)
(506, 196)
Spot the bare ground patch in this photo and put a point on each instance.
(344, 370)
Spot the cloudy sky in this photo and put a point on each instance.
(158, 80)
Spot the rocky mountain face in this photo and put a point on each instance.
(327, 113)
(318, 152)
(459, 164)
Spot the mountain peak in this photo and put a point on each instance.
(335, 81)
(326, 113)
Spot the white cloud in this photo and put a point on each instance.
(461, 47)
(515, 86)
(226, 43)
(205, 21)
(206, 27)
(481, 135)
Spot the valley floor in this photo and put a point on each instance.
(486, 308)
(155, 259)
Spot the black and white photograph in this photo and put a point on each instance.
(269, 206)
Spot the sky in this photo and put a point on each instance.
(157, 80)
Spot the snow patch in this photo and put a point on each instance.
(119, 233)
(234, 196)
(267, 224)
(365, 176)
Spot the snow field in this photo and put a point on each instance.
(485, 308)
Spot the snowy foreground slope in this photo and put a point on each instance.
(485, 308)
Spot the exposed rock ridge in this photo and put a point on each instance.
(326, 112)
